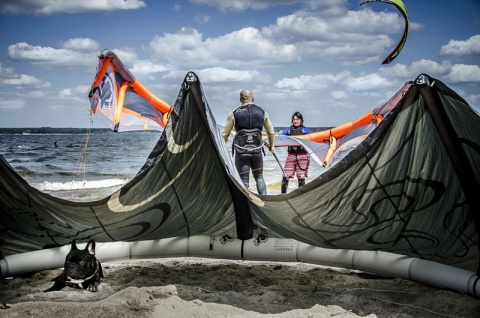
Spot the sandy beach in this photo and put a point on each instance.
(197, 287)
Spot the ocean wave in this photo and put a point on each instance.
(26, 172)
(79, 185)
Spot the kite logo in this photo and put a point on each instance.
(423, 79)
(260, 239)
(226, 239)
(190, 78)
(106, 95)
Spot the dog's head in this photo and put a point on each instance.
(80, 264)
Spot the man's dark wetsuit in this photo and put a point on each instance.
(249, 120)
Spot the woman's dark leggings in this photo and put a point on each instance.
(246, 162)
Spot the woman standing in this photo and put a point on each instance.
(298, 159)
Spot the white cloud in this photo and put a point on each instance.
(23, 79)
(78, 53)
(12, 104)
(461, 73)
(245, 48)
(5, 71)
(81, 44)
(326, 30)
(78, 93)
(474, 98)
(474, 101)
(311, 81)
(338, 95)
(368, 82)
(240, 5)
(457, 73)
(324, 6)
(302, 82)
(401, 71)
(50, 56)
(249, 45)
(182, 48)
(147, 67)
(457, 48)
(341, 105)
(82, 89)
(176, 7)
(34, 94)
(73, 92)
(127, 55)
(48, 7)
(351, 38)
(220, 74)
(57, 107)
(202, 18)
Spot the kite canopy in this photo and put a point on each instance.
(410, 187)
(121, 101)
(403, 10)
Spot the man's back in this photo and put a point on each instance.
(249, 116)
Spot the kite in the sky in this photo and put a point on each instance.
(403, 10)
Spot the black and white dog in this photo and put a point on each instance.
(81, 270)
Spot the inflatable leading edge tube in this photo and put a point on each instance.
(272, 249)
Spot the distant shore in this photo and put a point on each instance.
(66, 130)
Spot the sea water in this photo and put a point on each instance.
(90, 165)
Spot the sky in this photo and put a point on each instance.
(322, 58)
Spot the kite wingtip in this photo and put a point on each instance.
(387, 61)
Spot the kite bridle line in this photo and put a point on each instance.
(82, 160)
(273, 153)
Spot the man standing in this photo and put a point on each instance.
(249, 120)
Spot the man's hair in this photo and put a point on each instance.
(246, 94)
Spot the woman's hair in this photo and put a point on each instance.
(299, 116)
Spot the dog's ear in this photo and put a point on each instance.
(74, 245)
(90, 247)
